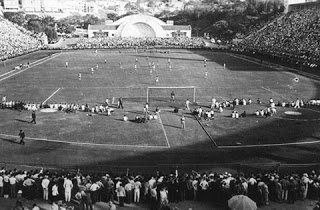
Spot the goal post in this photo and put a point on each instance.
(163, 94)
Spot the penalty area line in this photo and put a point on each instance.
(268, 89)
(210, 137)
(85, 143)
(269, 145)
(33, 65)
(2, 75)
(51, 96)
(164, 131)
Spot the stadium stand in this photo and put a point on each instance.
(15, 40)
(175, 42)
(294, 37)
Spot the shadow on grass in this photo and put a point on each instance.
(136, 112)
(14, 141)
(24, 121)
(172, 126)
(197, 155)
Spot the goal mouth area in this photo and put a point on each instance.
(171, 96)
(165, 102)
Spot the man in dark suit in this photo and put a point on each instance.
(22, 135)
(33, 115)
(120, 103)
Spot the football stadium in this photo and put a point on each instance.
(148, 121)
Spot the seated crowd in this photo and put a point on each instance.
(156, 190)
(269, 111)
(198, 111)
(294, 37)
(129, 42)
(65, 107)
(15, 40)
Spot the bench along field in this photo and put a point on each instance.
(97, 141)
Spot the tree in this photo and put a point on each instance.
(51, 33)
(112, 16)
(90, 19)
(151, 4)
(48, 21)
(129, 6)
(15, 17)
(34, 25)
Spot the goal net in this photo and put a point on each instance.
(161, 95)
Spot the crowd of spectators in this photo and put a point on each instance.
(156, 190)
(294, 37)
(16, 40)
(65, 107)
(108, 42)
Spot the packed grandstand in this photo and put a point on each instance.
(16, 40)
(294, 37)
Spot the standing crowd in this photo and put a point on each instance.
(156, 190)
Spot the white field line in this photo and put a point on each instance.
(51, 96)
(269, 145)
(223, 98)
(164, 131)
(85, 143)
(2, 75)
(38, 63)
(268, 89)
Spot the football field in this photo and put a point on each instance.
(95, 141)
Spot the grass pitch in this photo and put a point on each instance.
(103, 142)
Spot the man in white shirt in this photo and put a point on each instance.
(4, 99)
(187, 104)
(137, 185)
(1, 184)
(297, 104)
(152, 182)
(94, 192)
(67, 189)
(128, 188)
(12, 181)
(45, 186)
(195, 185)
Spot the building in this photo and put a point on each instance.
(31, 5)
(299, 4)
(139, 26)
(11, 5)
(50, 6)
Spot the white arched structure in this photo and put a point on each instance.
(139, 26)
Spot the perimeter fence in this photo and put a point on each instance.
(234, 168)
